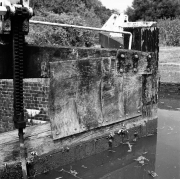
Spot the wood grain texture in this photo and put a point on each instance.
(37, 58)
(92, 92)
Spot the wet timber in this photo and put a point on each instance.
(98, 99)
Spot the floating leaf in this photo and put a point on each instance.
(83, 166)
(73, 172)
(153, 174)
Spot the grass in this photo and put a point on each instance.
(169, 55)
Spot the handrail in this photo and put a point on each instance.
(83, 27)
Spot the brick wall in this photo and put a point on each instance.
(35, 97)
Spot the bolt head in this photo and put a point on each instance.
(136, 56)
(122, 55)
(149, 56)
(121, 70)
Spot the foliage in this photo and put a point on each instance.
(40, 35)
(153, 9)
(169, 30)
(85, 8)
(102, 13)
(76, 12)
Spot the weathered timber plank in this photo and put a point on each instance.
(132, 95)
(37, 58)
(144, 38)
(91, 92)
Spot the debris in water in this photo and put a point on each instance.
(111, 151)
(153, 174)
(170, 128)
(83, 166)
(71, 172)
(59, 178)
(162, 127)
(141, 160)
(130, 147)
(145, 153)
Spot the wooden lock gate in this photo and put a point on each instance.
(93, 93)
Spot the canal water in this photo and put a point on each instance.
(156, 156)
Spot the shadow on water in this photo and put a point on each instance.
(159, 153)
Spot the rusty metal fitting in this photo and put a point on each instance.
(122, 55)
(121, 70)
(149, 56)
(136, 56)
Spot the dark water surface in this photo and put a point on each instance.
(158, 153)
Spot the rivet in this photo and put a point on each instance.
(138, 111)
(149, 56)
(121, 70)
(135, 69)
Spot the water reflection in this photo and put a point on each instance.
(159, 153)
(168, 144)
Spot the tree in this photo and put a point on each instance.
(131, 13)
(153, 9)
(76, 12)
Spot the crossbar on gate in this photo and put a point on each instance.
(83, 27)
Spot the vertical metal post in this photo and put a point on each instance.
(18, 45)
